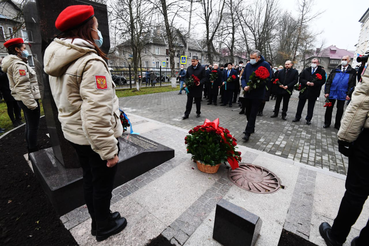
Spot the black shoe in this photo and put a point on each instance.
(224, 104)
(215, 104)
(209, 103)
(114, 216)
(242, 111)
(246, 137)
(284, 117)
(326, 126)
(295, 120)
(325, 230)
(274, 116)
(109, 227)
(198, 116)
(260, 114)
(179, 93)
(337, 127)
(185, 117)
(308, 122)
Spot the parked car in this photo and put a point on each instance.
(119, 79)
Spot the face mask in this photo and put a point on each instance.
(252, 61)
(313, 65)
(99, 41)
(25, 53)
(181, 68)
(343, 63)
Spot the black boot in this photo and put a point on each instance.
(109, 227)
(114, 216)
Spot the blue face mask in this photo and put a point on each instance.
(98, 42)
(252, 61)
(25, 53)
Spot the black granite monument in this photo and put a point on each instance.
(58, 167)
(234, 226)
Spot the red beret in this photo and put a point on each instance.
(73, 16)
(13, 41)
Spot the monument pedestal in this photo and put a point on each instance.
(64, 186)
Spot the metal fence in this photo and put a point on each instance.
(124, 76)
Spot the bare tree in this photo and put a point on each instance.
(212, 16)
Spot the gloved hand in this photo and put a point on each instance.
(344, 148)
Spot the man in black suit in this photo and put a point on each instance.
(195, 91)
(311, 80)
(229, 86)
(288, 77)
(215, 85)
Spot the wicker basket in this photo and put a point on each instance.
(207, 168)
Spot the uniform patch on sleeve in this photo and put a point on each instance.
(22, 72)
(101, 82)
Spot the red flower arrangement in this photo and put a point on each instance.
(213, 75)
(258, 78)
(319, 76)
(191, 82)
(277, 82)
(212, 144)
(327, 103)
(298, 86)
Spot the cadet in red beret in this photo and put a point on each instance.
(24, 87)
(88, 107)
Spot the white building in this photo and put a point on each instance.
(363, 45)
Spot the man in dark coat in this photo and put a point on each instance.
(214, 86)
(253, 97)
(229, 86)
(288, 77)
(195, 92)
(181, 77)
(207, 82)
(311, 80)
(340, 85)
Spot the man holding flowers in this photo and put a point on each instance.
(215, 82)
(229, 82)
(311, 80)
(194, 81)
(285, 82)
(254, 79)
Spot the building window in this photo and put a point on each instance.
(146, 64)
(2, 36)
(157, 50)
(157, 64)
(334, 62)
(190, 55)
(27, 36)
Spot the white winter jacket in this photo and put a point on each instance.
(22, 81)
(84, 94)
(356, 116)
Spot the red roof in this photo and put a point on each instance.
(334, 53)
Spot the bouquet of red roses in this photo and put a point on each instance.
(327, 103)
(229, 80)
(299, 86)
(277, 82)
(213, 77)
(191, 82)
(258, 78)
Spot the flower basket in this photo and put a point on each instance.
(205, 168)
(211, 144)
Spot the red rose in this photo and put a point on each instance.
(229, 135)
(318, 76)
(262, 72)
(234, 143)
(190, 132)
(214, 71)
(299, 86)
(274, 82)
(186, 138)
(226, 131)
(233, 77)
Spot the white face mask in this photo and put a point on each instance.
(343, 63)
(313, 65)
(252, 61)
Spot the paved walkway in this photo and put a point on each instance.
(178, 201)
(312, 145)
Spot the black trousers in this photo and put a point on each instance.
(189, 104)
(329, 111)
(286, 100)
(252, 108)
(213, 95)
(357, 191)
(228, 95)
(14, 110)
(32, 121)
(300, 107)
(98, 182)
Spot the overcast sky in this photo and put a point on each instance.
(339, 23)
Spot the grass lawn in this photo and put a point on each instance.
(6, 123)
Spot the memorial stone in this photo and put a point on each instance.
(234, 226)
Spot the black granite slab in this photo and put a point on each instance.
(234, 225)
(64, 186)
